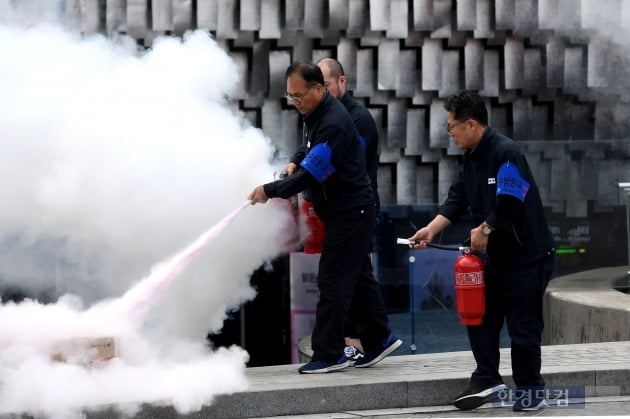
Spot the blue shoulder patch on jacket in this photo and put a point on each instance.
(363, 142)
(317, 162)
(510, 182)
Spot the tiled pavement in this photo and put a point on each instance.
(413, 385)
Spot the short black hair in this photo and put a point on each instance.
(467, 105)
(307, 70)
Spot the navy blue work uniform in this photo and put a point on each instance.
(332, 171)
(497, 185)
(368, 136)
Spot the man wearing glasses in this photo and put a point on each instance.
(497, 186)
(331, 168)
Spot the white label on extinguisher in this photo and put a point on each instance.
(469, 278)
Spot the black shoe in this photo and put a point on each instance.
(474, 397)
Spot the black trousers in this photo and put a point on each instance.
(516, 298)
(346, 278)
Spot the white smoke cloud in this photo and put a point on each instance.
(113, 161)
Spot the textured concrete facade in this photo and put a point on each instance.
(555, 72)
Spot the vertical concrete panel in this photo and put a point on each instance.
(559, 184)
(347, 56)
(115, 15)
(137, 16)
(466, 15)
(259, 78)
(249, 15)
(239, 91)
(521, 119)
(319, 54)
(388, 61)
(594, 16)
(451, 80)
(90, 17)
(313, 18)
(423, 15)
(513, 63)
(448, 169)
(182, 16)
(491, 73)
(485, 19)
(442, 22)
(576, 202)
(406, 181)
(569, 14)
(71, 14)
(604, 113)
(227, 24)
(525, 17)
(597, 62)
(397, 123)
(561, 119)
(271, 118)
(338, 14)
(473, 65)
(574, 69)
(294, 18)
(504, 14)
(424, 185)
(386, 186)
(555, 63)
(379, 15)
(270, 19)
(279, 61)
(431, 65)
(540, 123)
(498, 117)
(365, 72)
(438, 137)
(208, 14)
(547, 14)
(533, 72)
(581, 127)
(398, 20)
(291, 132)
(162, 15)
(416, 132)
(407, 74)
(358, 18)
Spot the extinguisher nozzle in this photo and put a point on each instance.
(405, 241)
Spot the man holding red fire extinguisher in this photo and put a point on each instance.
(332, 169)
(497, 186)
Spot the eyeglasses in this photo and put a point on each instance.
(449, 127)
(298, 98)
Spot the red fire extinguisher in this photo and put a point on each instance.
(470, 298)
(312, 229)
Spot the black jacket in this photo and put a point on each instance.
(522, 235)
(365, 124)
(349, 187)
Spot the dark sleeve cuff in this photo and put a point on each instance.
(270, 190)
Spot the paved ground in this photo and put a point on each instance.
(595, 406)
(424, 385)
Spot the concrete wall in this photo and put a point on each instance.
(585, 308)
(554, 72)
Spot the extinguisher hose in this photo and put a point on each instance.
(465, 249)
(442, 247)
